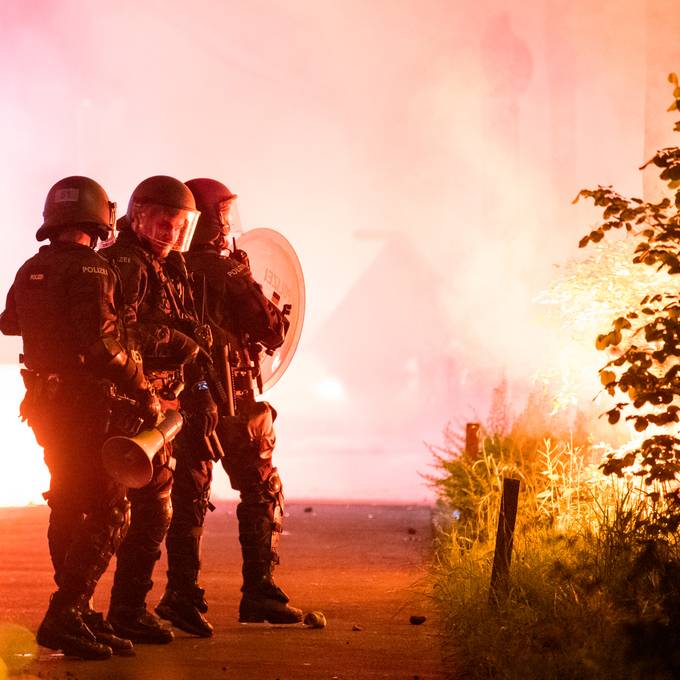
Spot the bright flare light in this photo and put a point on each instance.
(23, 474)
(582, 303)
(330, 389)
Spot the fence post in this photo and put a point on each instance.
(472, 441)
(504, 534)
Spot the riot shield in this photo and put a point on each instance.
(275, 266)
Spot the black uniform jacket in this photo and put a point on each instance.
(156, 296)
(63, 304)
(234, 303)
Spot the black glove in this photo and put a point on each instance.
(203, 411)
(149, 406)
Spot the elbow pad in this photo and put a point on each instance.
(109, 357)
(182, 347)
(172, 344)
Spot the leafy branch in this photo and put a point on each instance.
(644, 343)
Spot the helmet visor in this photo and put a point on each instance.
(112, 215)
(165, 227)
(110, 237)
(230, 223)
(229, 218)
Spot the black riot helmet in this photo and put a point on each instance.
(162, 212)
(77, 202)
(219, 214)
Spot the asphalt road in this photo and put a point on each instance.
(364, 566)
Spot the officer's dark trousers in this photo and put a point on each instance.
(151, 511)
(89, 512)
(249, 467)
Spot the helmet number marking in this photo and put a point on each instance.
(66, 195)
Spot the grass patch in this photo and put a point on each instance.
(594, 593)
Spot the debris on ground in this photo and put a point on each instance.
(315, 619)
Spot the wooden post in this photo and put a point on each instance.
(472, 441)
(504, 534)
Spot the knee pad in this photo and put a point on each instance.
(95, 541)
(160, 518)
(274, 484)
(265, 491)
(110, 526)
(150, 521)
(260, 515)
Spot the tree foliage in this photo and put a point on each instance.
(643, 372)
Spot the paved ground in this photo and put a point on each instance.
(362, 565)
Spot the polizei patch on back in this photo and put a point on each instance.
(36, 280)
(94, 270)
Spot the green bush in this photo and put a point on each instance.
(643, 371)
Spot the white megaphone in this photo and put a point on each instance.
(129, 460)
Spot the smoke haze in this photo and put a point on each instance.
(420, 157)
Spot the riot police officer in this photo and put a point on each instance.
(159, 309)
(241, 319)
(63, 304)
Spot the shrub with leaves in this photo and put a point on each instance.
(590, 595)
(644, 343)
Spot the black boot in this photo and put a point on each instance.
(64, 629)
(132, 582)
(183, 603)
(105, 634)
(263, 600)
(259, 521)
(184, 609)
(139, 625)
(80, 554)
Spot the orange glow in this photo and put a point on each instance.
(24, 475)
(587, 295)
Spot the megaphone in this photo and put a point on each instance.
(129, 460)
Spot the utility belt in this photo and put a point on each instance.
(81, 383)
(51, 394)
(50, 385)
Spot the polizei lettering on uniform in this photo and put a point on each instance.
(238, 269)
(94, 270)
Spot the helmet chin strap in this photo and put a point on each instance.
(156, 249)
(150, 245)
